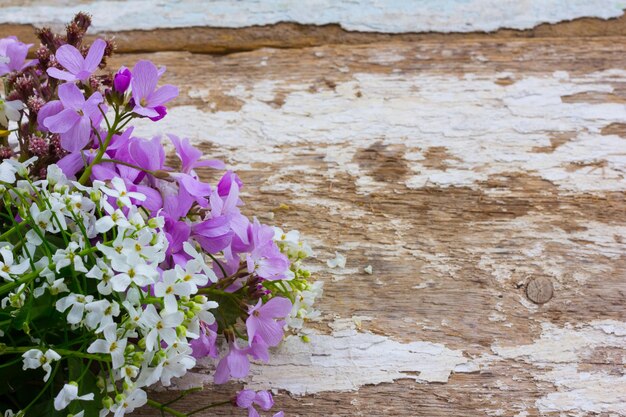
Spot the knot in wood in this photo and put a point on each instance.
(539, 290)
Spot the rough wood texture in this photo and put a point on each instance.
(461, 168)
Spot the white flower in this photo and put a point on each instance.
(68, 256)
(174, 365)
(192, 276)
(199, 259)
(68, 394)
(55, 175)
(137, 398)
(10, 110)
(160, 326)
(103, 273)
(128, 373)
(170, 287)
(133, 271)
(7, 171)
(140, 246)
(34, 358)
(100, 314)
(77, 302)
(120, 192)
(55, 286)
(43, 219)
(117, 218)
(110, 345)
(8, 268)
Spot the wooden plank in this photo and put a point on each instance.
(460, 170)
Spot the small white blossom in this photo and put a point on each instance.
(135, 399)
(35, 358)
(170, 287)
(10, 110)
(120, 192)
(68, 394)
(112, 345)
(103, 273)
(8, 267)
(77, 302)
(161, 327)
(69, 256)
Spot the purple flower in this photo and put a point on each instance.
(236, 363)
(190, 156)
(264, 258)
(205, 345)
(262, 320)
(51, 108)
(73, 123)
(248, 399)
(149, 101)
(78, 68)
(122, 80)
(213, 234)
(15, 51)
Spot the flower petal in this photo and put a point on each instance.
(71, 96)
(78, 136)
(162, 95)
(144, 81)
(94, 56)
(62, 122)
(70, 58)
(277, 307)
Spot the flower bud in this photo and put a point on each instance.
(107, 403)
(200, 299)
(142, 343)
(121, 81)
(181, 331)
(119, 398)
(160, 356)
(138, 358)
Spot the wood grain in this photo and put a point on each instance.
(387, 153)
(461, 168)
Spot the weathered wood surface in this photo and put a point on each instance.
(461, 169)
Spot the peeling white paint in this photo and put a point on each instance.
(485, 128)
(347, 360)
(584, 392)
(362, 15)
(559, 351)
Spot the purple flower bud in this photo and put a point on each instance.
(122, 80)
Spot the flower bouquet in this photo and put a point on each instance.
(118, 271)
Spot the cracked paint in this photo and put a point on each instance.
(391, 16)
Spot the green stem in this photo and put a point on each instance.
(7, 350)
(112, 131)
(31, 276)
(210, 406)
(162, 407)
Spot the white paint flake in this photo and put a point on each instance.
(559, 351)
(362, 15)
(486, 129)
(347, 360)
